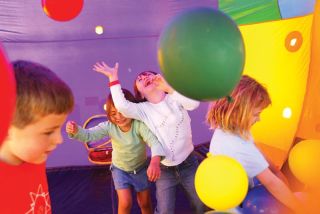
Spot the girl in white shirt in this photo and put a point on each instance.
(164, 111)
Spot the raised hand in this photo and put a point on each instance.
(72, 127)
(110, 72)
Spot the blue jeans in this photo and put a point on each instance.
(172, 176)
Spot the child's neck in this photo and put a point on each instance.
(125, 128)
(155, 97)
(7, 157)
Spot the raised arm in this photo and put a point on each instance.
(125, 107)
(110, 72)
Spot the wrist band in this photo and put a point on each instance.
(114, 83)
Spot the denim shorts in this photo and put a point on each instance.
(124, 180)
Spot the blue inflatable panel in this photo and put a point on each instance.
(293, 8)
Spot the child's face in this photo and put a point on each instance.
(118, 119)
(144, 82)
(255, 115)
(34, 142)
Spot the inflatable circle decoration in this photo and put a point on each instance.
(304, 162)
(7, 94)
(201, 53)
(259, 200)
(221, 182)
(62, 10)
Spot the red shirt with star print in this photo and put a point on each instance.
(24, 189)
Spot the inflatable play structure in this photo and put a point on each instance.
(281, 49)
(281, 52)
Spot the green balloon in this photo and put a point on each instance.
(201, 53)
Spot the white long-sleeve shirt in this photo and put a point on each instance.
(168, 120)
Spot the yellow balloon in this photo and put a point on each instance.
(304, 162)
(221, 182)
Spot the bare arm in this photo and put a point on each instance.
(280, 190)
(277, 172)
(272, 166)
(124, 106)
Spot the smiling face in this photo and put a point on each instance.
(144, 83)
(118, 119)
(35, 141)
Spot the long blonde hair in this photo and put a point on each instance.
(235, 115)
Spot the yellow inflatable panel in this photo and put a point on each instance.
(309, 127)
(278, 56)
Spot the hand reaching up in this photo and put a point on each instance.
(110, 72)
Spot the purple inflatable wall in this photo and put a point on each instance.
(131, 30)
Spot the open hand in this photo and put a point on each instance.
(110, 72)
